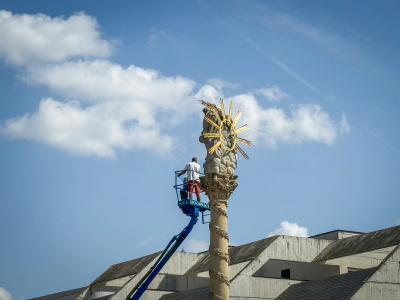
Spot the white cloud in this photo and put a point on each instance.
(101, 81)
(119, 117)
(127, 108)
(4, 294)
(106, 107)
(209, 93)
(96, 130)
(292, 229)
(196, 246)
(305, 122)
(40, 38)
(273, 94)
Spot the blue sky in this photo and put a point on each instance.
(99, 108)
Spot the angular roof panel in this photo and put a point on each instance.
(237, 254)
(340, 287)
(360, 243)
(66, 295)
(127, 268)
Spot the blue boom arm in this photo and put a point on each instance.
(190, 208)
(142, 285)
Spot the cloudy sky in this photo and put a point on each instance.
(99, 108)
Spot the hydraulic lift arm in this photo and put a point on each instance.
(175, 242)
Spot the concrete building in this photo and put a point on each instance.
(335, 265)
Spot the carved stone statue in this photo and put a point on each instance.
(220, 138)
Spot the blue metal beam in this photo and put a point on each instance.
(173, 245)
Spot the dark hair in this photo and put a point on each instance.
(194, 159)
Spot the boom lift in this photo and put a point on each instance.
(190, 208)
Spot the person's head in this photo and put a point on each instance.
(194, 159)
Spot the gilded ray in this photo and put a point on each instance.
(241, 151)
(221, 103)
(240, 129)
(237, 117)
(230, 111)
(213, 148)
(211, 135)
(211, 122)
(224, 122)
(246, 142)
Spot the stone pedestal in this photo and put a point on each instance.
(219, 188)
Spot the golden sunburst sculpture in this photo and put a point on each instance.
(225, 127)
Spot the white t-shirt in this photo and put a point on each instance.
(193, 170)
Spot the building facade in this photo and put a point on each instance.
(334, 265)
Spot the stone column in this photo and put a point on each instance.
(219, 137)
(219, 188)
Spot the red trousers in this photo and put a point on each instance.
(193, 184)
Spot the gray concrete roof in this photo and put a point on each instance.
(127, 268)
(66, 295)
(195, 294)
(360, 243)
(237, 254)
(335, 231)
(340, 287)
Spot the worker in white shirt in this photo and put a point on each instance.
(193, 170)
